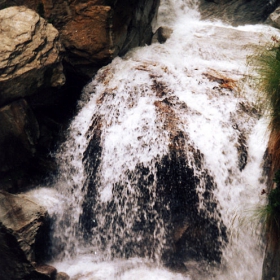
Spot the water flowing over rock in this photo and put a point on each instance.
(160, 154)
(238, 12)
(29, 54)
(163, 159)
(23, 237)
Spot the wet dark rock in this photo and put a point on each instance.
(92, 159)
(193, 227)
(47, 270)
(271, 268)
(18, 135)
(194, 234)
(62, 276)
(242, 150)
(237, 12)
(162, 34)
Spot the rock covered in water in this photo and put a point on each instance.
(149, 197)
(23, 237)
(237, 12)
(29, 54)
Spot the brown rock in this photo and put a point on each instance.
(88, 37)
(22, 234)
(62, 276)
(162, 34)
(47, 270)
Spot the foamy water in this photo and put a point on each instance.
(202, 71)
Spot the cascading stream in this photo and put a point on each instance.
(163, 160)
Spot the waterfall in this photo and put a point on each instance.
(163, 162)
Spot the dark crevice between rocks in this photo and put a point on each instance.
(53, 110)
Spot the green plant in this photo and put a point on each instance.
(267, 65)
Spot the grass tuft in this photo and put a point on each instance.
(267, 66)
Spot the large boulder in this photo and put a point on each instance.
(237, 12)
(29, 54)
(23, 237)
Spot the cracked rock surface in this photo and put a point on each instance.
(29, 54)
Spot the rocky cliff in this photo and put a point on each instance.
(43, 69)
(94, 32)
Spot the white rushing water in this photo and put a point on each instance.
(193, 87)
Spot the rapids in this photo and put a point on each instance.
(184, 107)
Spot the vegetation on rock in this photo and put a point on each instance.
(267, 66)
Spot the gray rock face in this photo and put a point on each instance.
(22, 235)
(29, 54)
(237, 12)
(133, 23)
